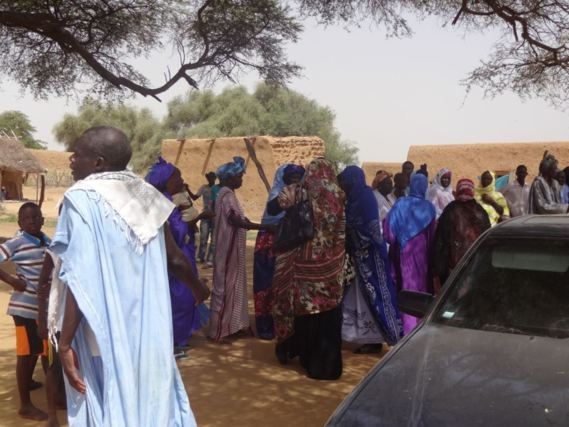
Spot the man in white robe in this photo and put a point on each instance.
(115, 250)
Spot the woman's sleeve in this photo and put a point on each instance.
(273, 207)
(387, 233)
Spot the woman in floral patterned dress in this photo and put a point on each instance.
(308, 279)
(264, 258)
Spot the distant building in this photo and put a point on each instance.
(15, 164)
(470, 160)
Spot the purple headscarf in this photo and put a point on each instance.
(159, 174)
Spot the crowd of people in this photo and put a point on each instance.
(113, 299)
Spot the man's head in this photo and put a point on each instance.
(486, 179)
(407, 169)
(386, 186)
(521, 174)
(401, 182)
(211, 177)
(560, 177)
(548, 166)
(99, 149)
(30, 218)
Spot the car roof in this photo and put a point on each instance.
(556, 226)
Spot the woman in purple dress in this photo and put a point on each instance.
(168, 180)
(409, 229)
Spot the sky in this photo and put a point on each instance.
(387, 94)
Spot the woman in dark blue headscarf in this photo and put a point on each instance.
(409, 229)
(370, 314)
(264, 258)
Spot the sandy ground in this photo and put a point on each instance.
(237, 385)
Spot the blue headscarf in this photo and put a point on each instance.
(280, 182)
(278, 185)
(361, 206)
(412, 214)
(230, 169)
(292, 169)
(159, 174)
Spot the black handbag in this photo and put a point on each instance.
(295, 228)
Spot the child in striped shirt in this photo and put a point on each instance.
(27, 252)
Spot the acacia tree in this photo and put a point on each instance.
(141, 127)
(531, 57)
(50, 46)
(269, 110)
(18, 124)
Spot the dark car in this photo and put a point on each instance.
(492, 350)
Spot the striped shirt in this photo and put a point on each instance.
(27, 253)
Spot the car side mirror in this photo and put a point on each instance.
(415, 303)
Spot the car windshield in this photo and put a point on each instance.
(514, 286)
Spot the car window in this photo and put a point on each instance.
(513, 286)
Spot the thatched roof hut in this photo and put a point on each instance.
(15, 162)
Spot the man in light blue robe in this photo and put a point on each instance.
(115, 252)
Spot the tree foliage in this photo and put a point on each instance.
(269, 110)
(52, 46)
(530, 58)
(142, 128)
(18, 124)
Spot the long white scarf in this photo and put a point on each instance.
(133, 202)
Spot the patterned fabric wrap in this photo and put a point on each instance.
(461, 223)
(498, 197)
(308, 279)
(368, 250)
(263, 272)
(464, 190)
(411, 214)
(229, 289)
(230, 169)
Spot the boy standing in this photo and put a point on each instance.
(209, 193)
(27, 252)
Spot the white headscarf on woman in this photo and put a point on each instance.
(439, 195)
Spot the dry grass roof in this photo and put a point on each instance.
(14, 157)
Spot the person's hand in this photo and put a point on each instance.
(271, 227)
(71, 368)
(42, 329)
(201, 291)
(207, 215)
(18, 284)
(486, 198)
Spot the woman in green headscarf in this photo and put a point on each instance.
(493, 202)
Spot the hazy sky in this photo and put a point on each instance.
(387, 94)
